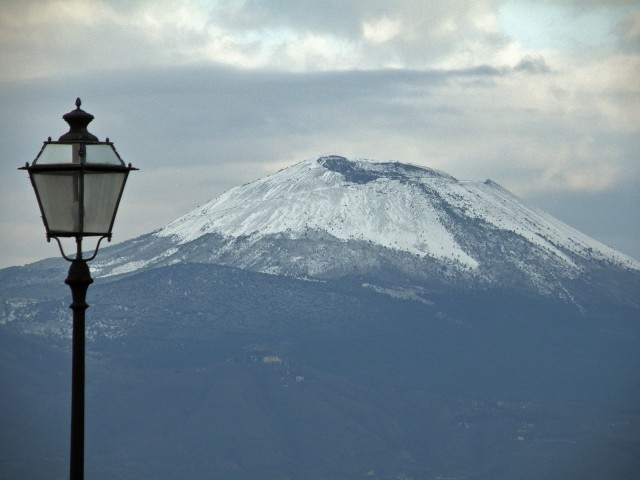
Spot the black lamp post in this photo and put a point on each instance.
(78, 182)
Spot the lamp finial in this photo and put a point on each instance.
(78, 120)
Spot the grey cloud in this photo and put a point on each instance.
(211, 115)
(429, 29)
(196, 131)
(532, 65)
(331, 16)
(628, 33)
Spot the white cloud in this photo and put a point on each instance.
(41, 38)
(381, 30)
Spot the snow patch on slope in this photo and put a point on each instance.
(113, 267)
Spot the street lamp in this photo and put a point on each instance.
(78, 182)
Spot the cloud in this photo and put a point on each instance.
(381, 30)
(205, 95)
(465, 120)
(628, 31)
(54, 37)
(532, 65)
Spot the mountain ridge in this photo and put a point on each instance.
(362, 172)
(331, 217)
(399, 228)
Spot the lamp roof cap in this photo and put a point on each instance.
(78, 120)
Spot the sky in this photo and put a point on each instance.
(542, 97)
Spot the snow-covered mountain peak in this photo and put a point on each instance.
(331, 216)
(359, 200)
(404, 207)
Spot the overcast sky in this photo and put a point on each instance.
(541, 97)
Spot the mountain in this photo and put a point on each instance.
(339, 319)
(332, 217)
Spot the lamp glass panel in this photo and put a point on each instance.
(102, 154)
(101, 195)
(59, 195)
(58, 153)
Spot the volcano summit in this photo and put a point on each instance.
(395, 223)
